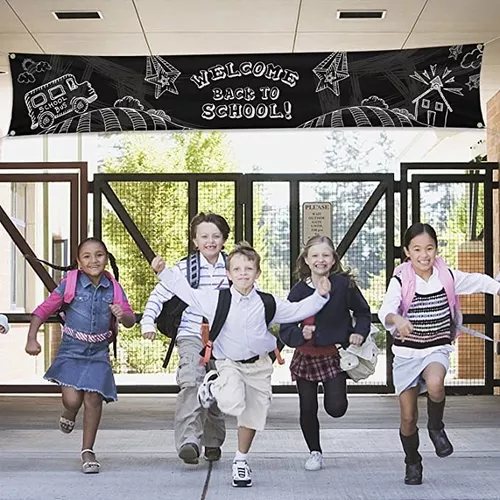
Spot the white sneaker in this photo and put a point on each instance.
(205, 396)
(315, 461)
(241, 474)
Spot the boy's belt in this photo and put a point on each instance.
(249, 360)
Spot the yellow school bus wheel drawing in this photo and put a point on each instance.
(58, 98)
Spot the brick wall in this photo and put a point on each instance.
(493, 151)
(470, 350)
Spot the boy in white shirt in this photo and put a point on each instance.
(242, 384)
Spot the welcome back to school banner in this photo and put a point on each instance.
(437, 87)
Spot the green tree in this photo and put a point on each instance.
(456, 212)
(351, 152)
(160, 210)
(274, 276)
(463, 223)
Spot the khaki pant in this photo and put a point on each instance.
(244, 390)
(192, 423)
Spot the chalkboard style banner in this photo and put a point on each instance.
(437, 87)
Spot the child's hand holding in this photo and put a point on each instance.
(307, 332)
(117, 311)
(356, 339)
(149, 335)
(158, 264)
(2, 329)
(33, 348)
(324, 286)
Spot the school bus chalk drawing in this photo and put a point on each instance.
(58, 98)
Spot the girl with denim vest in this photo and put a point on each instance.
(82, 367)
(418, 309)
(316, 359)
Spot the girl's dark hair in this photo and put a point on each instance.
(218, 220)
(303, 271)
(416, 230)
(74, 264)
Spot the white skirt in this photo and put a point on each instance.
(407, 372)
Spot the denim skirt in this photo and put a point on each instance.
(85, 366)
(407, 372)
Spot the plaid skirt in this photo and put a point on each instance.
(314, 368)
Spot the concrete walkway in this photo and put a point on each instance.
(363, 457)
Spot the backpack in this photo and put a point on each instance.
(169, 319)
(221, 312)
(405, 274)
(69, 294)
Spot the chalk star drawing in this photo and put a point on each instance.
(331, 71)
(455, 51)
(473, 82)
(162, 75)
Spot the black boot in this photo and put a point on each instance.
(413, 473)
(435, 426)
(413, 459)
(441, 442)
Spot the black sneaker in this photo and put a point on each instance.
(190, 453)
(212, 454)
(441, 442)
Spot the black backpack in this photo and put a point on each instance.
(223, 305)
(169, 319)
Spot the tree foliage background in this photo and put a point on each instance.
(353, 152)
(160, 211)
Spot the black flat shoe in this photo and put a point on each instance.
(441, 442)
(413, 473)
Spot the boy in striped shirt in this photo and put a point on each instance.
(194, 426)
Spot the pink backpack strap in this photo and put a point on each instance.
(69, 291)
(117, 290)
(446, 279)
(406, 274)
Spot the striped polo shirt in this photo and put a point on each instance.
(211, 277)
